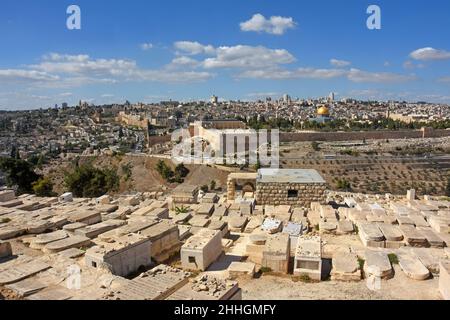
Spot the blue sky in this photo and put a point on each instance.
(234, 49)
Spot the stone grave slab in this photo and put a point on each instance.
(430, 261)
(327, 226)
(345, 267)
(56, 293)
(293, 229)
(391, 232)
(26, 287)
(11, 232)
(345, 227)
(412, 266)
(271, 226)
(433, 239)
(72, 253)
(68, 243)
(237, 223)
(241, 269)
(413, 237)
(22, 271)
(253, 223)
(182, 218)
(41, 240)
(377, 264)
(201, 221)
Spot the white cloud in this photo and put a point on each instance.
(194, 48)
(263, 94)
(146, 46)
(276, 25)
(339, 63)
(64, 71)
(444, 79)
(411, 65)
(353, 75)
(307, 73)
(356, 75)
(241, 56)
(14, 75)
(429, 53)
(184, 61)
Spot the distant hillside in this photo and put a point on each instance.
(143, 178)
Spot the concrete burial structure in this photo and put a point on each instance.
(308, 257)
(289, 187)
(122, 257)
(185, 194)
(276, 253)
(201, 250)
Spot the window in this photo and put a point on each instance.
(191, 260)
(94, 264)
(293, 194)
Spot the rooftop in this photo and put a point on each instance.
(289, 176)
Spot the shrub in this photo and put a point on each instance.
(393, 258)
(43, 188)
(180, 210)
(265, 270)
(87, 181)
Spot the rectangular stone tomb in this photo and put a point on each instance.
(377, 264)
(413, 236)
(22, 271)
(201, 250)
(94, 230)
(115, 256)
(413, 267)
(432, 238)
(345, 267)
(237, 223)
(308, 257)
(272, 226)
(41, 240)
(345, 227)
(206, 209)
(26, 287)
(87, 216)
(68, 243)
(239, 269)
(157, 284)
(11, 232)
(371, 235)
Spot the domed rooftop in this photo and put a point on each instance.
(323, 111)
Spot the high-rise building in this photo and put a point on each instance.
(287, 98)
(331, 97)
(214, 100)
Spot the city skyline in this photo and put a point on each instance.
(189, 51)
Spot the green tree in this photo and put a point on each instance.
(344, 185)
(212, 185)
(43, 188)
(315, 146)
(19, 173)
(181, 171)
(87, 181)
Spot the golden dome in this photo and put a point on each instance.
(323, 111)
